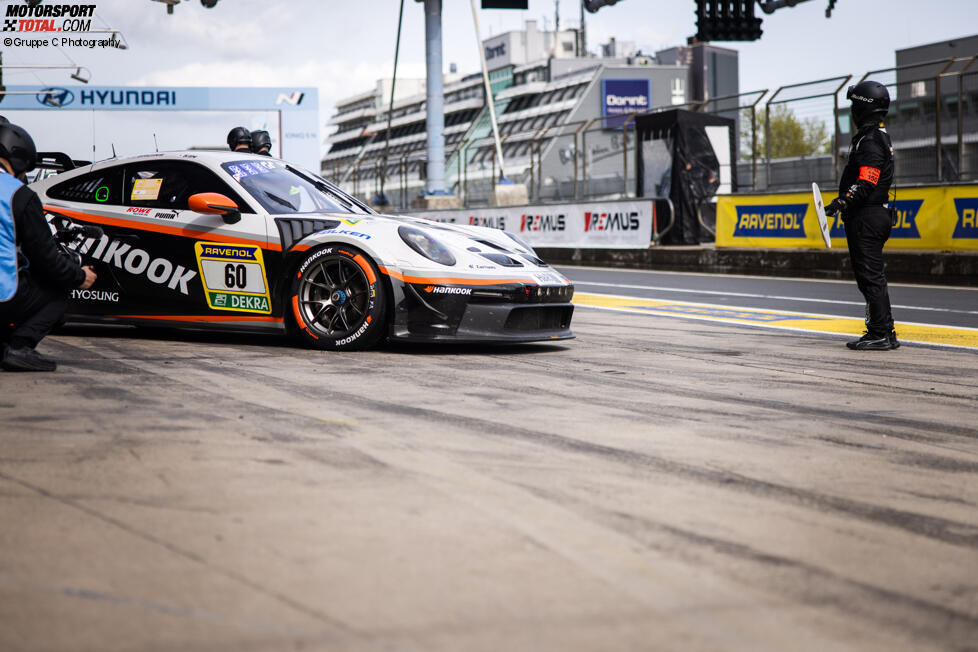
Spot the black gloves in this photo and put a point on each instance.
(834, 207)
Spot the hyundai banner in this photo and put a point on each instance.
(623, 97)
(602, 224)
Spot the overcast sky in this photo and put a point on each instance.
(343, 46)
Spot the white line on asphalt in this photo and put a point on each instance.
(567, 269)
(657, 288)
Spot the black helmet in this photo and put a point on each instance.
(239, 136)
(17, 146)
(870, 101)
(260, 140)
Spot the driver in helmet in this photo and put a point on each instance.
(239, 140)
(862, 203)
(34, 276)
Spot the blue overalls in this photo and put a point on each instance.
(8, 237)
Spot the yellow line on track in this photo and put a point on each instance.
(780, 319)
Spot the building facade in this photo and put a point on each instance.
(560, 119)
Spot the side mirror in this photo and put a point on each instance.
(214, 203)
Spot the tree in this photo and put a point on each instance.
(789, 135)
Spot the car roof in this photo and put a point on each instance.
(207, 157)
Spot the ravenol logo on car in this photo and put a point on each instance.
(906, 226)
(56, 97)
(231, 252)
(966, 226)
(774, 221)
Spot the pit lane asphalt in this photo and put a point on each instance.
(655, 484)
(941, 305)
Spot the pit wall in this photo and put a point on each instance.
(940, 218)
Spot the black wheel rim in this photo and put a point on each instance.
(334, 296)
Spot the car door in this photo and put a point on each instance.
(93, 199)
(194, 264)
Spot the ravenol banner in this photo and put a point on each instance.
(940, 217)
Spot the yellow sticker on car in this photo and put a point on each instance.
(233, 277)
(145, 190)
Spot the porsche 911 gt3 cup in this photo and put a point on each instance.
(232, 241)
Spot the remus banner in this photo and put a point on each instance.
(936, 217)
(602, 224)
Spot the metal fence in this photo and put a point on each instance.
(788, 138)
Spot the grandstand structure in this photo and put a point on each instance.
(553, 106)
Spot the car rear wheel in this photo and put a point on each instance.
(337, 300)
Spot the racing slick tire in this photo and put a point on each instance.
(337, 300)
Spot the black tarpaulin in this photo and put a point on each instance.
(694, 174)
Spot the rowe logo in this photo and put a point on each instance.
(294, 98)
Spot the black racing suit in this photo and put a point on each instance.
(46, 275)
(863, 192)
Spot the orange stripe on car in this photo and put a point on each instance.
(201, 318)
(160, 228)
(447, 280)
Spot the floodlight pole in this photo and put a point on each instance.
(435, 106)
(490, 100)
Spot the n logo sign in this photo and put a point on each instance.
(294, 98)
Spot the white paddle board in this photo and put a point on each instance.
(823, 223)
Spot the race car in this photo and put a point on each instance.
(225, 240)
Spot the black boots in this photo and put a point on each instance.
(26, 359)
(870, 342)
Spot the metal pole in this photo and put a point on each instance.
(435, 118)
(583, 39)
(753, 147)
(960, 112)
(835, 127)
(577, 153)
(937, 126)
(624, 136)
(490, 100)
(390, 106)
(939, 149)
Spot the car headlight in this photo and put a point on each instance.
(425, 245)
(520, 241)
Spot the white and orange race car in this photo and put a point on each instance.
(235, 241)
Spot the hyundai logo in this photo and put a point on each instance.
(56, 97)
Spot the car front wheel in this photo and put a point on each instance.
(337, 300)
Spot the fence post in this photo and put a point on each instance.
(835, 127)
(961, 72)
(624, 143)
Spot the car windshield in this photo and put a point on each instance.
(282, 189)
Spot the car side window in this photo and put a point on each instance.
(169, 184)
(101, 187)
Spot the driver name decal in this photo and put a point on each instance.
(234, 277)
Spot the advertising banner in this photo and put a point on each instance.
(602, 224)
(622, 97)
(938, 218)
